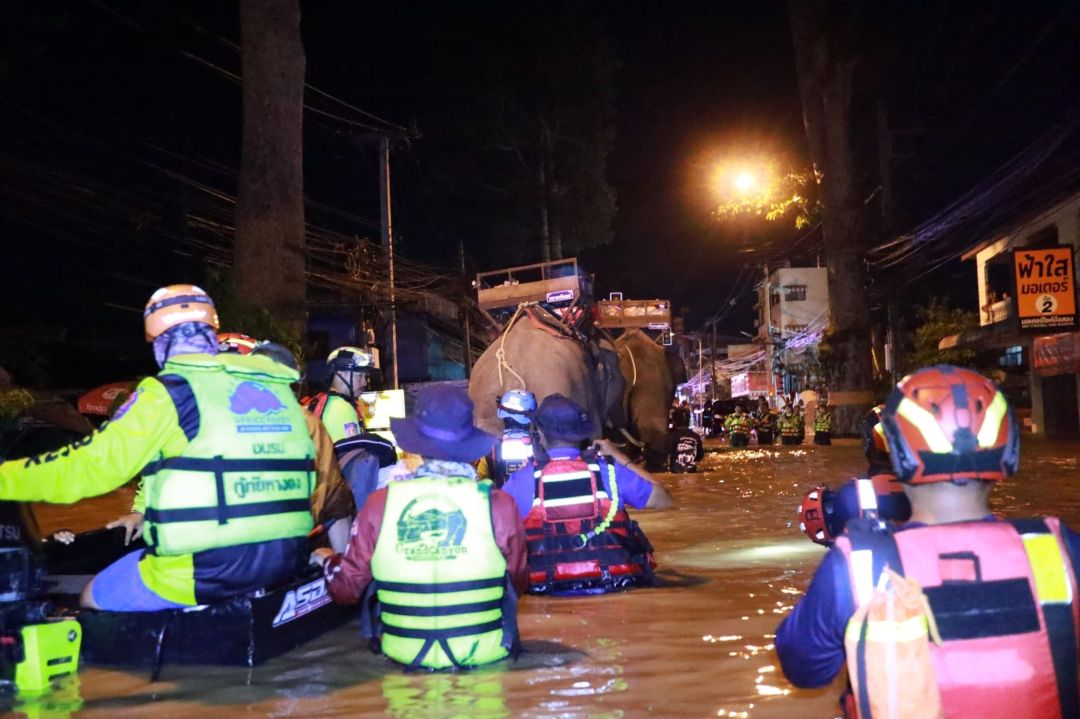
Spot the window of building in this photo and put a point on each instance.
(998, 278)
(794, 293)
(1012, 357)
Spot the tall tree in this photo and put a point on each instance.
(827, 58)
(268, 250)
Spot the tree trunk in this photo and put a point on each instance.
(826, 79)
(268, 250)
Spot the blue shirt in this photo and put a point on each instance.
(810, 640)
(634, 490)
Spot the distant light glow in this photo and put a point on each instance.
(745, 182)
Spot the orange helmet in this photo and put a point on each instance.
(175, 305)
(944, 423)
(236, 342)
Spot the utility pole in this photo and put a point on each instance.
(712, 363)
(386, 218)
(465, 320)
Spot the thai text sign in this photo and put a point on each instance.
(1045, 288)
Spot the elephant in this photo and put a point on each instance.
(650, 388)
(536, 353)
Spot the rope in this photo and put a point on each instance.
(613, 506)
(500, 354)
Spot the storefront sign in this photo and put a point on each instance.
(1045, 288)
(1056, 354)
(750, 384)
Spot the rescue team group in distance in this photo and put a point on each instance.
(916, 596)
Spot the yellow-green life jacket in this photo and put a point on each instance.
(822, 422)
(338, 415)
(737, 424)
(247, 474)
(439, 575)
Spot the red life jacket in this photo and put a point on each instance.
(1004, 597)
(315, 404)
(576, 543)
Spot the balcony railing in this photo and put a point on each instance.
(995, 312)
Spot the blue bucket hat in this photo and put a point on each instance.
(442, 427)
(562, 418)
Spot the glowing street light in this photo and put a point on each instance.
(745, 182)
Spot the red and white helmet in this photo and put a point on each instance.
(812, 512)
(944, 423)
(236, 342)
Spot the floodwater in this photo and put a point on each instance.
(732, 561)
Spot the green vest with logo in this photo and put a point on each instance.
(439, 575)
(248, 473)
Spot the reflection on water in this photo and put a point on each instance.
(732, 564)
(470, 695)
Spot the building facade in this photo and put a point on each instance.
(793, 313)
(1039, 371)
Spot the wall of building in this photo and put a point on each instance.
(787, 312)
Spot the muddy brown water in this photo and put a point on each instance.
(733, 563)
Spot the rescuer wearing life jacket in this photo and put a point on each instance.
(514, 449)
(790, 427)
(823, 513)
(823, 425)
(350, 369)
(442, 554)
(361, 454)
(765, 423)
(999, 598)
(687, 447)
(573, 501)
(227, 468)
(738, 424)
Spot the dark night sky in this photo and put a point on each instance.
(90, 87)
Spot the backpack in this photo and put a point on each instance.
(888, 653)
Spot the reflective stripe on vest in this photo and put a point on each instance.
(248, 475)
(439, 575)
(867, 496)
(516, 449)
(1004, 600)
(568, 490)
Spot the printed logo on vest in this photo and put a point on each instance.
(251, 397)
(351, 429)
(248, 398)
(431, 528)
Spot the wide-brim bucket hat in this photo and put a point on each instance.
(561, 418)
(442, 427)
